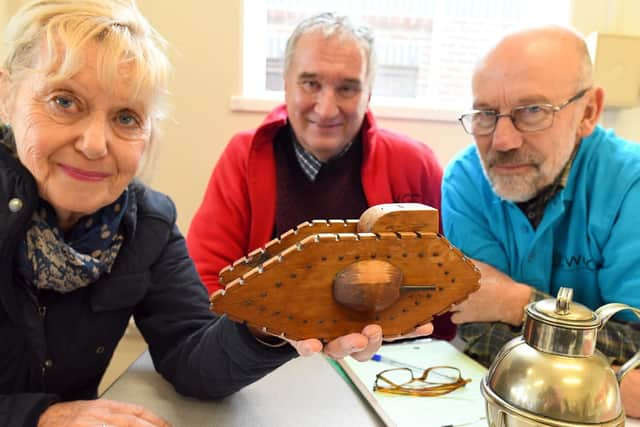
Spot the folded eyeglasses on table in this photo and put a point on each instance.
(324, 279)
(433, 381)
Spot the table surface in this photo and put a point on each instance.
(304, 392)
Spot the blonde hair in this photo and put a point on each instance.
(49, 36)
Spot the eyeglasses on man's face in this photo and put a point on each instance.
(434, 381)
(525, 118)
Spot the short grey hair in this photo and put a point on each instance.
(329, 24)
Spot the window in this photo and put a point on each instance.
(426, 48)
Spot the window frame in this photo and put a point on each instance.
(255, 99)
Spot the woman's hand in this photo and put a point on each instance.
(99, 413)
(361, 346)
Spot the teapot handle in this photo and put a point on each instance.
(605, 313)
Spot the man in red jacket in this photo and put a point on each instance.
(320, 155)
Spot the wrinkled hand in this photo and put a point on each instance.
(499, 299)
(360, 346)
(101, 412)
(630, 393)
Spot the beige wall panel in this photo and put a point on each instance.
(4, 13)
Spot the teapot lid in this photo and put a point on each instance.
(562, 312)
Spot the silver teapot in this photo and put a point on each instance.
(553, 375)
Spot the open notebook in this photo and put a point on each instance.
(462, 407)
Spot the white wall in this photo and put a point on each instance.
(613, 16)
(627, 122)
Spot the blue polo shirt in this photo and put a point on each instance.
(589, 236)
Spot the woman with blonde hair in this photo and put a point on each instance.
(84, 245)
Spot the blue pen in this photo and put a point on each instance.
(392, 362)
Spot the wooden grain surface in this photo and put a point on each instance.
(287, 287)
(292, 294)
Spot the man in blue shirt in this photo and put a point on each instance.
(545, 198)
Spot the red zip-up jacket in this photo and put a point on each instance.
(237, 214)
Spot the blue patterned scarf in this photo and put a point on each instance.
(49, 259)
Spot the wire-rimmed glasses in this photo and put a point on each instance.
(434, 381)
(525, 118)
